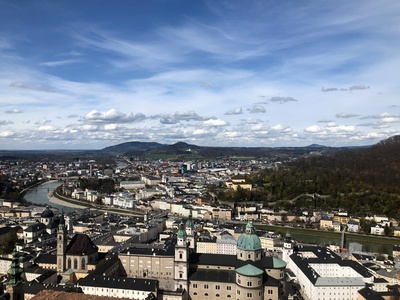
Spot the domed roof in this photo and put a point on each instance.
(181, 232)
(249, 240)
(190, 222)
(47, 213)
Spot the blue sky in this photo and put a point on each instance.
(90, 74)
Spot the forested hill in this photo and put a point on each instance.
(358, 180)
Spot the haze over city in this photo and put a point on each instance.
(87, 75)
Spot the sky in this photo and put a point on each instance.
(91, 74)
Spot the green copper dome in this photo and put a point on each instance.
(249, 240)
(249, 270)
(181, 232)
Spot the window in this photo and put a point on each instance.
(206, 286)
(69, 263)
(217, 287)
(217, 295)
(229, 288)
(195, 285)
(206, 294)
(249, 283)
(270, 292)
(75, 263)
(83, 267)
(249, 295)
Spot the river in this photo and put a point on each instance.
(38, 195)
(316, 237)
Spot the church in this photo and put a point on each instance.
(79, 255)
(177, 267)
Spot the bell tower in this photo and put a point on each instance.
(14, 285)
(181, 266)
(287, 248)
(61, 245)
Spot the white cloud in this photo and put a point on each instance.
(46, 128)
(313, 129)
(235, 111)
(113, 116)
(257, 109)
(215, 123)
(5, 134)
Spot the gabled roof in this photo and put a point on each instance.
(81, 244)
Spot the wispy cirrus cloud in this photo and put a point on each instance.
(60, 62)
(354, 87)
(5, 122)
(36, 87)
(13, 111)
(344, 115)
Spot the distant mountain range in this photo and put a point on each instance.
(136, 148)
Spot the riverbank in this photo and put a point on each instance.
(64, 201)
(58, 201)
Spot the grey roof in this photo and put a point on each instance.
(369, 294)
(322, 255)
(212, 275)
(34, 288)
(81, 244)
(46, 259)
(126, 283)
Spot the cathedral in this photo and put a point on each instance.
(177, 267)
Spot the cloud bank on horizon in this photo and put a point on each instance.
(85, 75)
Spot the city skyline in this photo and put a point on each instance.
(87, 75)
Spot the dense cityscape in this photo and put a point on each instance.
(199, 150)
(139, 228)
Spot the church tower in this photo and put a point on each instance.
(181, 266)
(191, 239)
(14, 285)
(61, 245)
(287, 248)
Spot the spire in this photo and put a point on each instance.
(61, 226)
(15, 271)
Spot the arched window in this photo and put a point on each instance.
(83, 265)
(75, 263)
(69, 263)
